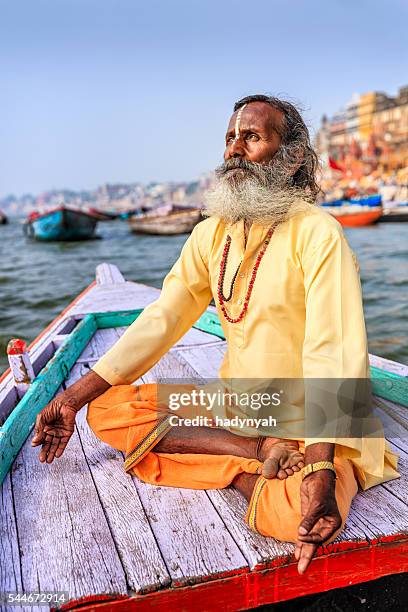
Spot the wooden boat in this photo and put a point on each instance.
(395, 214)
(84, 526)
(355, 212)
(3, 218)
(355, 215)
(61, 224)
(102, 215)
(177, 221)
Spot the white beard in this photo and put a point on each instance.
(256, 197)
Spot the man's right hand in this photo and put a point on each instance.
(55, 424)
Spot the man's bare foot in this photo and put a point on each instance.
(281, 458)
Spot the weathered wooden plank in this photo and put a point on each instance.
(20, 422)
(8, 399)
(105, 298)
(108, 274)
(398, 413)
(193, 540)
(389, 386)
(116, 319)
(395, 430)
(134, 539)
(172, 367)
(101, 341)
(206, 360)
(10, 571)
(388, 365)
(257, 550)
(64, 538)
(382, 513)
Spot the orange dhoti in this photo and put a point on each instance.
(127, 418)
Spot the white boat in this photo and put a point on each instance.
(83, 526)
(170, 222)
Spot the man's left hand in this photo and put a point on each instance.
(320, 515)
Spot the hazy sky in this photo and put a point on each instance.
(95, 91)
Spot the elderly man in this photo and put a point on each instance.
(288, 295)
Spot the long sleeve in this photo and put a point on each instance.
(335, 356)
(335, 344)
(184, 297)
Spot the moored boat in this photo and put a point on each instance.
(3, 218)
(356, 212)
(61, 224)
(394, 213)
(355, 215)
(175, 221)
(102, 215)
(134, 546)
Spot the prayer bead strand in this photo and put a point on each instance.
(221, 298)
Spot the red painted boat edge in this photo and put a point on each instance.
(359, 219)
(57, 318)
(256, 588)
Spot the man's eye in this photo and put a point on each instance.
(252, 137)
(229, 139)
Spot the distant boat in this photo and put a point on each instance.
(395, 214)
(61, 224)
(3, 218)
(170, 222)
(356, 212)
(355, 216)
(102, 215)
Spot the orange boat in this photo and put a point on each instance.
(355, 216)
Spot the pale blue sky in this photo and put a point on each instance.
(125, 90)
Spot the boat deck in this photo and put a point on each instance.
(84, 526)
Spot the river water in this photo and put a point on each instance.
(37, 280)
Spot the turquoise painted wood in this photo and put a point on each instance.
(208, 322)
(124, 318)
(21, 421)
(389, 386)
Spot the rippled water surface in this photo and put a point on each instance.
(37, 280)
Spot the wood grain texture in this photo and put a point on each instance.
(134, 539)
(101, 341)
(65, 541)
(193, 539)
(206, 360)
(257, 550)
(10, 571)
(108, 274)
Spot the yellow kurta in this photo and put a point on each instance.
(305, 316)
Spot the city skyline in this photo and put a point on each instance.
(96, 94)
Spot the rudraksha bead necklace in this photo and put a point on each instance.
(221, 298)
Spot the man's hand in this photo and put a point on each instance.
(54, 426)
(320, 515)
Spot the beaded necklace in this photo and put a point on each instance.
(221, 298)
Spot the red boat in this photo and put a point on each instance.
(355, 216)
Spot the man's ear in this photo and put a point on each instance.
(297, 163)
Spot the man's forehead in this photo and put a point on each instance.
(258, 114)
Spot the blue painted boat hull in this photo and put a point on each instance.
(62, 225)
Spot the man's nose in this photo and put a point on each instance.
(235, 149)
